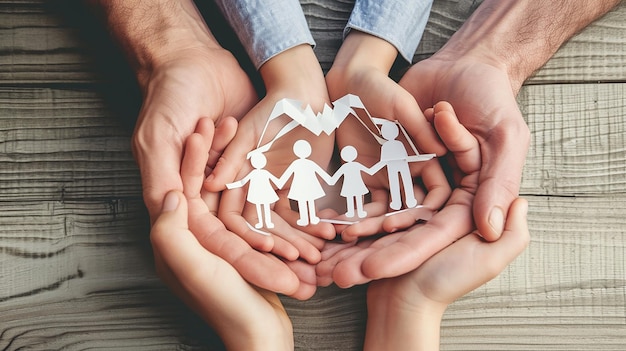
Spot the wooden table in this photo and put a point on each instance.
(75, 262)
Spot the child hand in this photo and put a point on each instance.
(294, 74)
(357, 71)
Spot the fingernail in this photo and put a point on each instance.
(170, 203)
(496, 220)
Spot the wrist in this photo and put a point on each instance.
(152, 33)
(296, 73)
(521, 36)
(361, 56)
(361, 50)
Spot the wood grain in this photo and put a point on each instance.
(75, 261)
(63, 43)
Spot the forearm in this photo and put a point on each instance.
(520, 36)
(149, 31)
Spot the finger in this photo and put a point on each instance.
(408, 113)
(231, 211)
(194, 164)
(503, 157)
(232, 159)
(308, 279)
(224, 133)
(495, 256)
(457, 138)
(423, 241)
(158, 175)
(436, 183)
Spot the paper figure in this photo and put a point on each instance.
(353, 187)
(260, 190)
(305, 187)
(393, 155)
(397, 150)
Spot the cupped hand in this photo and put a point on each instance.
(398, 253)
(245, 317)
(483, 97)
(296, 279)
(193, 82)
(294, 74)
(406, 311)
(359, 73)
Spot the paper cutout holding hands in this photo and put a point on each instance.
(260, 191)
(353, 187)
(305, 186)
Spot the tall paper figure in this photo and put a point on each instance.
(393, 155)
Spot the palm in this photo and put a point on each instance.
(401, 252)
(289, 240)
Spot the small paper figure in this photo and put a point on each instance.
(305, 187)
(260, 191)
(353, 187)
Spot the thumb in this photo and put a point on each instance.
(503, 155)
(173, 216)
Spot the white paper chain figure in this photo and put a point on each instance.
(260, 190)
(353, 187)
(305, 186)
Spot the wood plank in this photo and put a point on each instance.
(567, 291)
(64, 44)
(79, 274)
(63, 144)
(578, 136)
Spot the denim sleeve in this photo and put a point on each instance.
(399, 22)
(267, 27)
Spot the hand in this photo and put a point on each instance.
(401, 252)
(293, 74)
(357, 71)
(405, 312)
(189, 84)
(245, 317)
(295, 279)
(483, 97)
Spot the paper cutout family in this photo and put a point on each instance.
(306, 187)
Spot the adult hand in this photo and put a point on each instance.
(405, 312)
(245, 317)
(401, 252)
(484, 101)
(184, 75)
